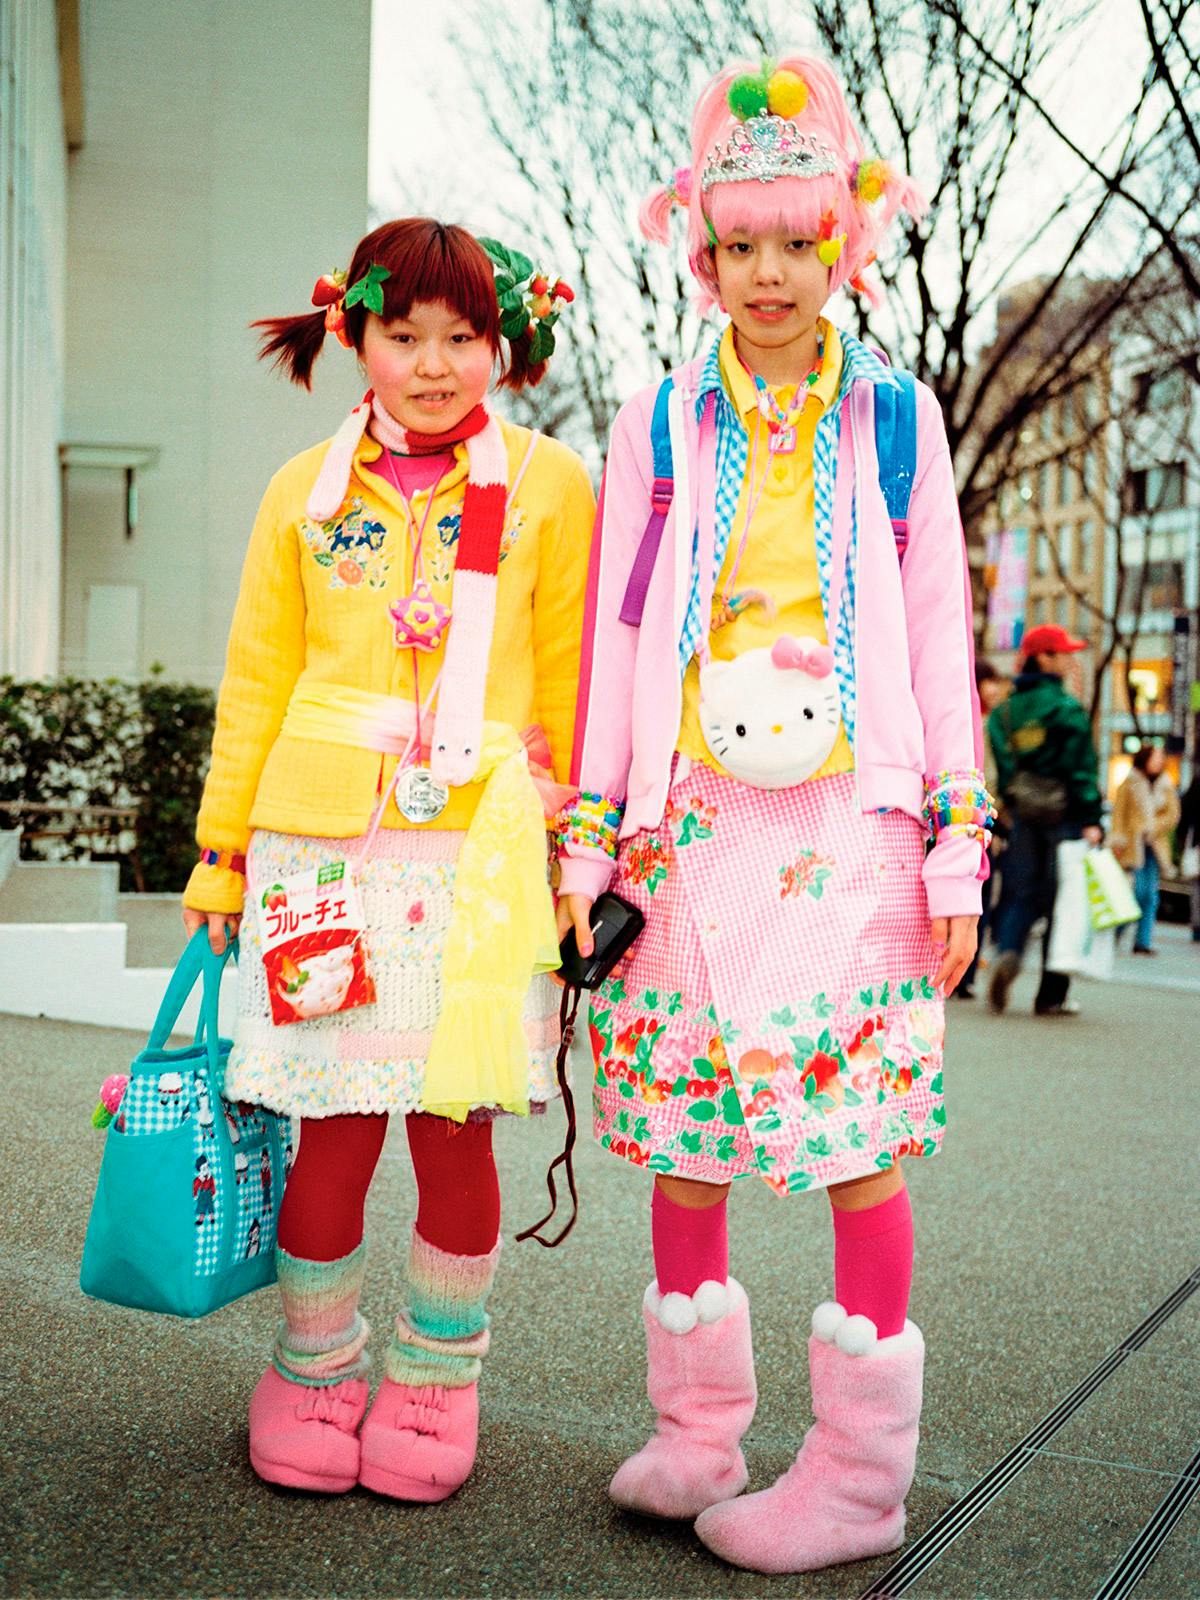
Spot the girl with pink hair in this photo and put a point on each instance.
(778, 751)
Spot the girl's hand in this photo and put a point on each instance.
(216, 922)
(956, 940)
(574, 911)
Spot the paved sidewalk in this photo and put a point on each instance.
(1175, 964)
(1062, 1213)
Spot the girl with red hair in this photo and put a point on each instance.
(777, 716)
(397, 713)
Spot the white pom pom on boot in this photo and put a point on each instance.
(700, 1379)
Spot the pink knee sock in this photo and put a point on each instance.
(691, 1245)
(873, 1262)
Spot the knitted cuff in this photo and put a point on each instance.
(590, 822)
(212, 888)
(442, 1334)
(958, 803)
(322, 1337)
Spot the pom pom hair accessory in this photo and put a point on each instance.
(869, 179)
(530, 302)
(765, 143)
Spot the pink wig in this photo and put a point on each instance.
(792, 203)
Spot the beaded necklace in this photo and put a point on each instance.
(781, 424)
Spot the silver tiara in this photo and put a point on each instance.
(766, 147)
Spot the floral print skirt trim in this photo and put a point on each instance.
(372, 1058)
(778, 1016)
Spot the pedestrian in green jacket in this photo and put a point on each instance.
(1047, 773)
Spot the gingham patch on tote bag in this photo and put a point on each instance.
(190, 1186)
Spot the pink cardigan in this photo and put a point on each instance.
(917, 708)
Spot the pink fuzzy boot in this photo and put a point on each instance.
(305, 1436)
(419, 1443)
(843, 1497)
(700, 1379)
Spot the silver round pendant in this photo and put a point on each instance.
(418, 797)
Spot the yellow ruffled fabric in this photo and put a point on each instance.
(502, 931)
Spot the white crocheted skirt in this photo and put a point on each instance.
(371, 1058)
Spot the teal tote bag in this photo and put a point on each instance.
(188, 1196)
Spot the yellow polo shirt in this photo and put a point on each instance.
(781, 551)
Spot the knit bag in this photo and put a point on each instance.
(188, 1196)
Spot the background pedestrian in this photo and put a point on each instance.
(1046, 771)
(1144, 816)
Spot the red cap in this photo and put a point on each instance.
(1049, 639)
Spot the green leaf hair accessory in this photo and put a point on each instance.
(368, 290)
(530, 302)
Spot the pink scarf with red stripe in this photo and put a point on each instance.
(458, 730)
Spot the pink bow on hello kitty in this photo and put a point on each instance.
(803, 654)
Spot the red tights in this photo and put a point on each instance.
(458, 1205)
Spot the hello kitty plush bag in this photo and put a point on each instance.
(771, 716)
(189, 1190)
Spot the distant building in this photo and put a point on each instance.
(186, 169)
(1102, 495)
(1152, 572)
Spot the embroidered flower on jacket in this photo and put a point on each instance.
(350, 548)
(448, 530)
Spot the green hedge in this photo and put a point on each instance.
(76, 742)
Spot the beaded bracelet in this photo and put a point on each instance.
(590, 822)
(235, 860)
(958, 802)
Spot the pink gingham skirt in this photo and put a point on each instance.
(777, 1016)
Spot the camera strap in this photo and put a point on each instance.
(567, 1012)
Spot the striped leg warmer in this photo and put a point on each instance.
(322, 1338)
(442, 1333)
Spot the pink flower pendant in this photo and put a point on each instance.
(419, 620)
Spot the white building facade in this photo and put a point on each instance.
(37, 106)
(219, 164)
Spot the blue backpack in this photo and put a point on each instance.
(895, 446)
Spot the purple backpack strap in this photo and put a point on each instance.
(661, 496)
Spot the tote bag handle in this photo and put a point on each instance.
(196, 961)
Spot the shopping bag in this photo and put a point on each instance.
(188, 1196)
(1110, 895)
(1076, 946)
(1189, 862)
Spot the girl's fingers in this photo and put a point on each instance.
(954, 939)
(573, 912)
(221, 928)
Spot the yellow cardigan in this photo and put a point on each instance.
(313, 607)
